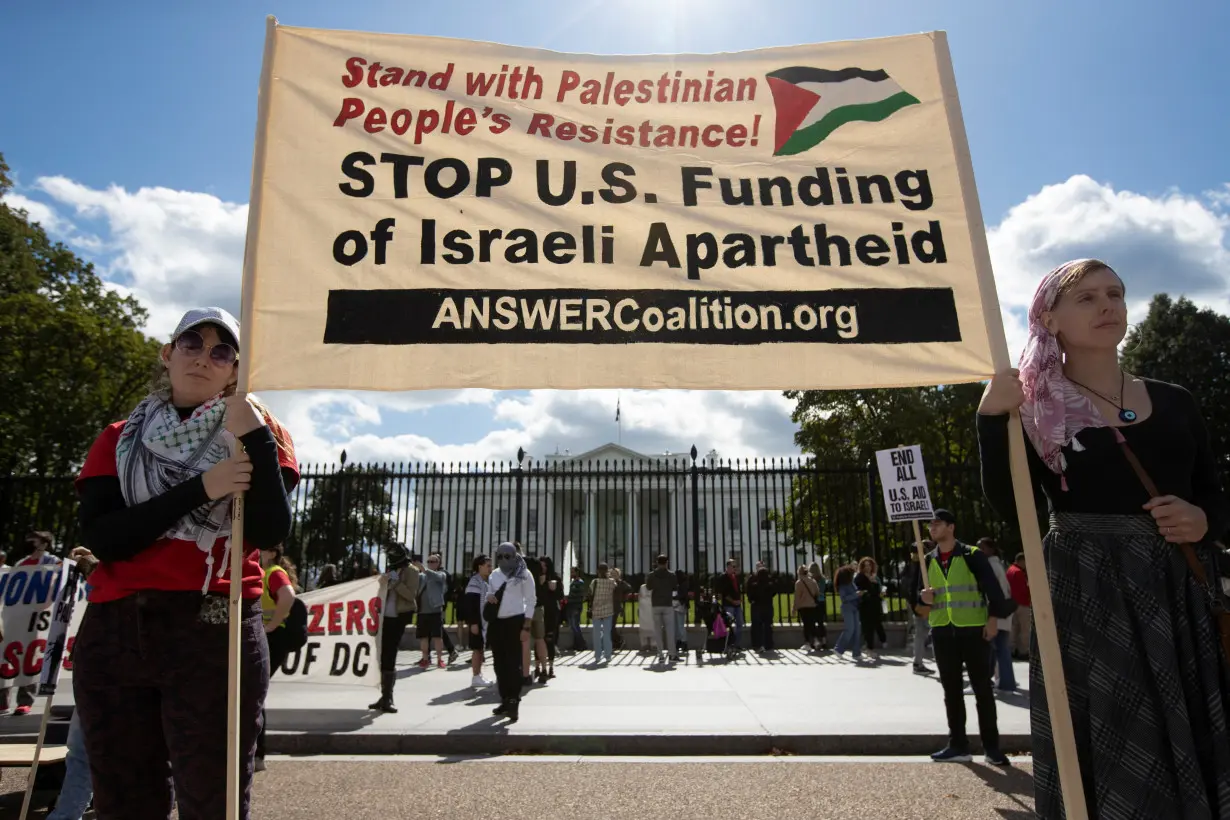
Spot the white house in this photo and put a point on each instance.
(614, 505)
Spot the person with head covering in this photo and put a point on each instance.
(1132, 487)
(150, 663)
(400, 604)
(511, 588)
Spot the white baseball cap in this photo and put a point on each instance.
(208, 316)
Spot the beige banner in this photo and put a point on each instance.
(433, 213)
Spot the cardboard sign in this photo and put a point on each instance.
(906, 497)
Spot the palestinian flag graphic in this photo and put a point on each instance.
(814, 102)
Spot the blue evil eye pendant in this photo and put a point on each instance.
(1127, 416)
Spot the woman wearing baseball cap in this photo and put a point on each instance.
(150, 659)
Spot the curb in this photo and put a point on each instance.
(463, 743)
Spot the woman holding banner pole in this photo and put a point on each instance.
(151, 657)
(1132, 488)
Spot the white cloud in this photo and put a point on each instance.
(171, 249)
(1174, 244)
(174, 249)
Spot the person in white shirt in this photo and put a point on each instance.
(511, 586)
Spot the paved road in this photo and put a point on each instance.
(550, 788)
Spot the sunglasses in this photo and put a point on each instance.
(193, 344)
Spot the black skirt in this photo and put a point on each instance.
(1146, 681)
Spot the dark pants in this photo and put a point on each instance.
(762, 627)
(573, 614)
(150, 681)
(504, 638)
(959, 650)
(277, 656)
(391, 631)
(810, 617)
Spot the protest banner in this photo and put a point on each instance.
(343, 634)
(906, 497)
(65, 619)
(434, 213)
(445, 213)
(904, 481)
(27, 598)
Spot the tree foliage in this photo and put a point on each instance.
(348, 518)
(1181, 343)
(835, 507)
(75, 357)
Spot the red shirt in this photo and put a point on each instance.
(1018, 582)
(277, 580)
(171, 565)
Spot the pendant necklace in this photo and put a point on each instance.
(1125, 415)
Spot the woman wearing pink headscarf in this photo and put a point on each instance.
(1146, 678)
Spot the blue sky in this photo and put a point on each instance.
(1117, 106)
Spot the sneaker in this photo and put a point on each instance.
(997, 758)
(260, 764)
(424, 663)
(22, 710)
(922, 669)
(443, 664)
(452, 656)
(479, 682)
(950, 755)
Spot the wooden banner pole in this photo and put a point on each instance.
(1026, 508)
(235, 645)
(38, 750)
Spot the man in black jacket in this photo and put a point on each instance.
(966, 601)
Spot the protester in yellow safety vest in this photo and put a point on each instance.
(965, 599)
(277, 598)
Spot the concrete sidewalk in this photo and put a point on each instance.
(792, 702)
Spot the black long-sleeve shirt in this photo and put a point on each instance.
(1172, 445)
(114, 531)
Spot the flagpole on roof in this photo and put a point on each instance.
(619, 420)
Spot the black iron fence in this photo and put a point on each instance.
(624, 512)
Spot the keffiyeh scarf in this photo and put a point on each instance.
(1054, 410)
(157, 450)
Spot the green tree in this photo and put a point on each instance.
(75, 357)
(1181, 343)
(842, 429)
(348, 513)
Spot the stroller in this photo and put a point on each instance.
(719, 637)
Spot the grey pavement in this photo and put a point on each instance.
(554, 789)
(792, 702)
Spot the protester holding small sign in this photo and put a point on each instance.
(150, 659)
(1131, 483)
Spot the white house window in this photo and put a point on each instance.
(437, 520)
(469, 520)
(734, 519)
(501, 520)
(766, 520)
(531, 520)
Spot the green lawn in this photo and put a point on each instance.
(784, 601)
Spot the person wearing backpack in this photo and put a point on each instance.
(278, 599)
